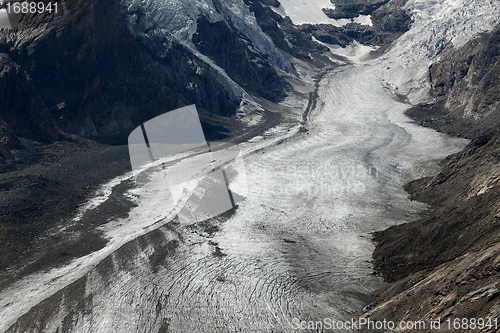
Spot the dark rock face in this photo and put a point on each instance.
(21, 105)
(389, 20)
(8, 142)
(250, 70)
(273, 3)
(466, 86)
(285, 35)
(86, 74)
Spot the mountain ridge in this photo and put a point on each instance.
(447, 262)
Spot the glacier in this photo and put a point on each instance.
(299, 245)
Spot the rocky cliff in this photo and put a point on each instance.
(250, 70)
(86, 73)
(465, 84)
(389, 21)
(8, 142)
(353, 8)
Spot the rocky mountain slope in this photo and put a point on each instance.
(389, 20)
(465, 84)
(446, 265)
(98, 70)
(85, 73)
(89, 73)
(95, 72)
(351, 9)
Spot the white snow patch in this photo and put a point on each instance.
(311, 12)
(100, 196)
(355, 52)
(4, 19)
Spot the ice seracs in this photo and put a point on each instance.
(437, 24)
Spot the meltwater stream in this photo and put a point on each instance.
(297, 248)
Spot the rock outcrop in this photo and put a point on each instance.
(389, 21)
(85, 73)
(8, 142)
(228, 50)
(292, 39)
(388, 17)
(21, 105)
(465, 84)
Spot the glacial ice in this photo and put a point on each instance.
(299, 245)
(436, 25)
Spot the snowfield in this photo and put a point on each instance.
(311, 12)
(298, 246)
